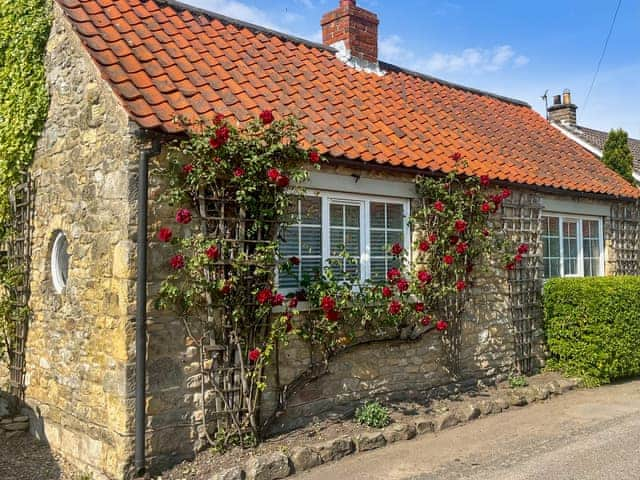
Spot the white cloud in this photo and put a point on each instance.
(469, 60)
(306, 3)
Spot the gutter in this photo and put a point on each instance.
(141, 299)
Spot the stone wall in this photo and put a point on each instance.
(80, 344)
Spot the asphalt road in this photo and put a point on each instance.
(582, 435)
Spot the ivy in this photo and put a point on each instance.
(24, 102)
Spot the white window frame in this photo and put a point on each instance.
(580, 240)
(364, 203)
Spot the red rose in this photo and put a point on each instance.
(213, 253)
(226, 288)
(471, 192)
(183, 216)
(462, 248)
(424, 246)
(314, 156)
(273, 174)
(485, 232)
(263, 296)
(282, 181)
(426, 320)
(217, 120)
(424, 276)
(433, 238)
(277, 300)
(267, 117)
(393, 274)
(510, 266)
(177, 262)
(523, 248)
(222, 136)
(456, 157)
(293, 303)
(484, 180)
(485, 208)
(441, 325)
(238, 172)
(395, 307)
(448, 259)
(387, 292)
(328, 303)
(402, 285)
(439, 206)
(496, 199)
(460, 285)
(187, 169)
(396, 249)
(165, 234)
(506, 193)
(332, 315)
(294, 261)
(419, 307)
(254, 355)
(517, 258)
(453, 239)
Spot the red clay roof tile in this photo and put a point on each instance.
(164, 61)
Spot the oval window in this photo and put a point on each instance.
(59, 262)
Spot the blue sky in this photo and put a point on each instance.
(511, 47)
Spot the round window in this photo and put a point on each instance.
(59, 262)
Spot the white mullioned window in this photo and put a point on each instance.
(573, 246)
(327, 224)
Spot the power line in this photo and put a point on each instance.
(604, 50)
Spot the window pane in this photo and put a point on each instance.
(551, 246)
(378, 243)
(311, 269)
(352, 215)
(377, 215)
(336, 244)
(352, 242)
(304, 242)
(311, 210)
(395, 216)
(378, 269)
(311, 241)
(336, 215)
(394, 237)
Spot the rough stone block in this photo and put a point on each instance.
(487, 407)
(335, 449)
(424, 425)
(501, 403)
(399, 431)
(234, 473)
(468, 412)
(445, 421)
(305, 458)
(370, 441)
(268, 467)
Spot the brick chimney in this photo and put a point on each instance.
(353, 31)
(562, 110)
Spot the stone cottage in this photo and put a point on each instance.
(120, 71)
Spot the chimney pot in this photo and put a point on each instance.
(562, 110)
(356, 27)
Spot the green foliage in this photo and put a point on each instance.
(24, 30)
(617, 155)
(516, 381)
(373, 414)
(593, 327)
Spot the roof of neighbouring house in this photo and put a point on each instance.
(164, 59)
(597, 138)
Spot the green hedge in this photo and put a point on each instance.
(592, 327)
